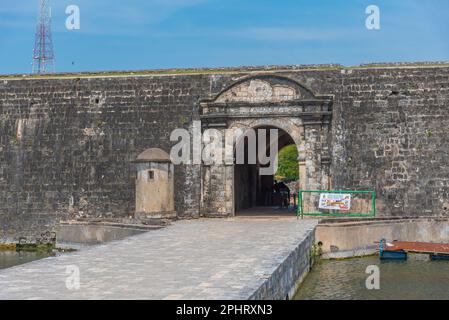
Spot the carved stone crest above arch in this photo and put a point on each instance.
(264, 88)
(265, 96)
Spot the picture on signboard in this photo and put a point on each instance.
(335, 201)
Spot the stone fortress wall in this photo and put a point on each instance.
(67, 142)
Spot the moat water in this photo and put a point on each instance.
(12, 258)
(399, 280)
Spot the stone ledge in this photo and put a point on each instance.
(225, 70)
(346, 222)
(284, 282)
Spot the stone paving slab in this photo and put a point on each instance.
(194, 259)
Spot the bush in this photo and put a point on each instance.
(288, 163)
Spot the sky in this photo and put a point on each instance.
(155, 34)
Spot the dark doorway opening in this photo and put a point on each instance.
(253, 192)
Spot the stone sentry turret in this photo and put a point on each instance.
(154, 185)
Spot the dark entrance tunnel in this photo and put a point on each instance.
(251, 189)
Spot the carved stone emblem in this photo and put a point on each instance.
(256, 91)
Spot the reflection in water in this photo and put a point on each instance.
(12, 258)
(345, 280)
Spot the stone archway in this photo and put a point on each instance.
(267, 101)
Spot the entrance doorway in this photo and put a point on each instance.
(258, 194)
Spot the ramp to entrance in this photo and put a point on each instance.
(236, 258)
(266, 212)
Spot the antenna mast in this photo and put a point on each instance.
(43, 55)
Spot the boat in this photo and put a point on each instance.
(437, 257)
(398, 250)
(386, 253)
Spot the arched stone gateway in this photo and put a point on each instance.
(267, 101)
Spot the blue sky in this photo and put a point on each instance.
(149, 34)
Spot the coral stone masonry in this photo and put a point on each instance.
(68, 142)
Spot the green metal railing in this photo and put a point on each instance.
(301, 212)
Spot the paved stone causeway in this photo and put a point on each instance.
(195, 259)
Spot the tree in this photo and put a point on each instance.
(288, 163)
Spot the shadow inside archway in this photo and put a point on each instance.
(266, 212)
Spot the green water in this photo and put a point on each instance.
(12, 258)
(345, 280)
